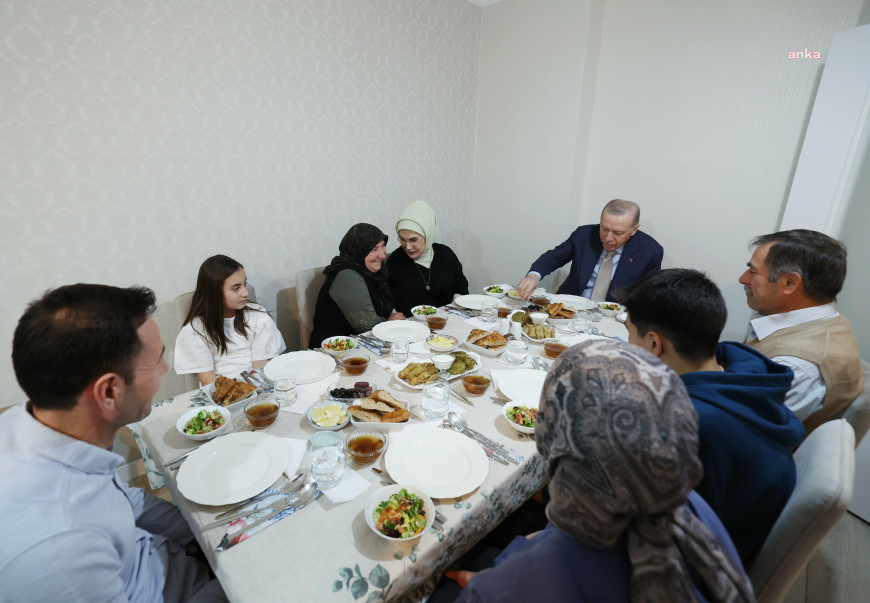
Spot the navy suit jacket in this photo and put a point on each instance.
(641, 255)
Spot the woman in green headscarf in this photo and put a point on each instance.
(424, 272)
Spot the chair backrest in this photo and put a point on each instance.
(182, 307)
(825, 475)
(308, 284)
(858, 412)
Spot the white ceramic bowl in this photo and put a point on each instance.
(442, 361)
(340, 353)
(539, 318)
(331, 427)
(445, 349)
(509, 405)
(422, 317)
(382, 494)
(609, 312)
(183, 419)
(504, 290)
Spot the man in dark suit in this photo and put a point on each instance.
(616, 244)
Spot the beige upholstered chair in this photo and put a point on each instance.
(308, 284)
(858, 413)
(825, 475)
(182, 307)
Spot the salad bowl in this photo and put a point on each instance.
(383, 495)
(509, 410)
(193, 412)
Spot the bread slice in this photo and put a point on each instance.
(358, 412)
(222, 386)
(239, 391)
(375, 405)
(386, 397)
(477, 334)
(397, 416)
(493, 340)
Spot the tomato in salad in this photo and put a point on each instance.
(523, 415)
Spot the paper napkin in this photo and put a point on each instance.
(351, 486)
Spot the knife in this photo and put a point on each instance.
(460, 396)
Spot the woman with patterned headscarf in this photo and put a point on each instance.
(355, 296)
(619, 435)
(424, 272)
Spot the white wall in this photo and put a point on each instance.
(141, 137)
(696, 113)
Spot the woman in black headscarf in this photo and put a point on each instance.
(355, 296)
(619, 435)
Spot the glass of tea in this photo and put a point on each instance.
(356, 363)
(554, 347)
(366, 445)
(436, 322)
(262, 411)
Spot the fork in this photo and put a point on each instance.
(277, 506)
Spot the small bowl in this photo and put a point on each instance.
(337, 426)
(355, 364)
(447, 347)
(553, 347)
(382, 494)
(436, 322)
(183, 419)
(367, 452)
(354, 346)
(476, 384)
(497, 295)
(610, 309)
(539, 318)
(422, 317)
(442, 361)
(518, 427)
(261, 413)
(504, 311)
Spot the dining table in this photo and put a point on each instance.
(326, 550)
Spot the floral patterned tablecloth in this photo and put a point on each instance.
(327, 552)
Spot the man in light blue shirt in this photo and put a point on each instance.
(90, 359)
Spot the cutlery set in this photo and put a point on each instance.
(263, 386)
(493, 449)
(540, 364)
(372, 343)
(297, 497)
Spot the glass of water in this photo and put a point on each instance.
(581, 323)
(285, 390)
(399, 350)
(435, 398)
(489, 310)
(327, 459)
(517, 351)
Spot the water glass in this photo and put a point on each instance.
(581, 323)
(399, 350)
(517, 351)
(489, 310)
(327, 459)
(435, 398)
(285, 390)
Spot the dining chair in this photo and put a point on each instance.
(308, 284)
(858, 412)
(825, 464)
(182, 307)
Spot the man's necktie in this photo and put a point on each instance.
(602, 283)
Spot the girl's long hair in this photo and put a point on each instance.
(208, 301)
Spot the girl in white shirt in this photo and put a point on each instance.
(223, 333)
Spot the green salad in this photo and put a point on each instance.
(204, 422)
(424, 311)
(522, 415)
(495, 289)
(401, 516)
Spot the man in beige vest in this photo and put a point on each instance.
(792, 282)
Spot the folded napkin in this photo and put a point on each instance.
(392, 367)
(419, 347)
(237, 532)
(351, 486)
(477, 323)
(297, 453)
(308, 394)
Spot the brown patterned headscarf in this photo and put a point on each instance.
(620, 437)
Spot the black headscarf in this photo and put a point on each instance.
(352, 251)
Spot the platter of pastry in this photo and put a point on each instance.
(486, 343)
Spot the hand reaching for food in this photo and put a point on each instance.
(396, 316)
(527, 285)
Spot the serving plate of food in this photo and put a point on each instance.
(224, 391)
(328, 416)
(538, 333)
(417, 374)
(514, 294)
(487, 343)
(381, 411)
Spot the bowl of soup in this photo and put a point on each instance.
(366, 445)
(262, 411)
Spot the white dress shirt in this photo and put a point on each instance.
(587, 292)
(808, 390)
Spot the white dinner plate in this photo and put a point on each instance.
(449, 377)
(472, 302)
(575, 301)
(410, 330)
(307, 366)
(441, 463)
(233, 467)
(522, 384)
